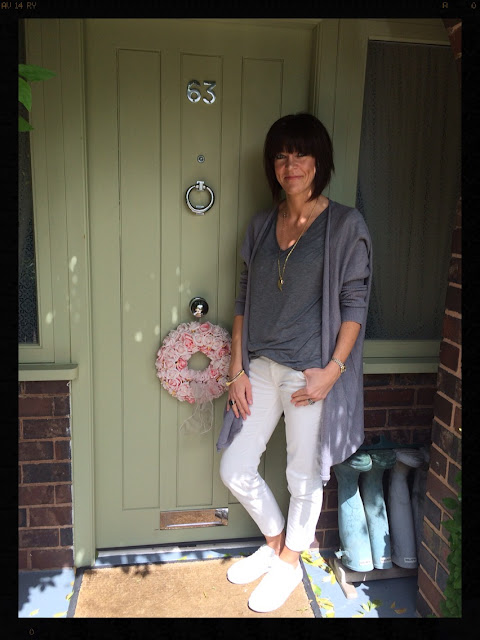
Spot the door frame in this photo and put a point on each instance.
(69, 42)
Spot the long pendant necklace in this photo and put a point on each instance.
(281, 273)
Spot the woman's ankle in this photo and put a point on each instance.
(276, 543)
(289, 556)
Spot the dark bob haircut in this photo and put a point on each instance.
(303, 133)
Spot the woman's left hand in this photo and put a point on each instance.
(319, 383)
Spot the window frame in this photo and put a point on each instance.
(380, 356)
(48, 195)
(43, 350)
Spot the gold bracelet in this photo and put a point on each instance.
(342, 366)
(229, 382)
(237, 374)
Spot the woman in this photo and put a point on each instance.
(297, 342)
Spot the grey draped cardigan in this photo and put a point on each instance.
(346, 292)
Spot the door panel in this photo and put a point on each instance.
(139, 272)
(151, 255)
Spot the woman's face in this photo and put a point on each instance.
(295, 172)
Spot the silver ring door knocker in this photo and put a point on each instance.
(200, 186)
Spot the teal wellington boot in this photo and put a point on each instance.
(355, 553)
(419, 490)
(400, 514)
(371, 489)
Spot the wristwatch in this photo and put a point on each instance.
(343, 368)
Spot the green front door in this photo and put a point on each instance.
(169, 103)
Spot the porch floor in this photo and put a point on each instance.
(54, 593)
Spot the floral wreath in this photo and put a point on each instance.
(172, 362)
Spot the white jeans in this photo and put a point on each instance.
(272, 387)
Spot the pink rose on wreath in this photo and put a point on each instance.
(169, 362)
(181, 364)
(181, 348)
(177, 348)
(209, 341)
(199, 337)
(224, 351)
(173, 383)
(188, 341)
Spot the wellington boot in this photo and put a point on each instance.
(418, 496)
(371, 490)
(400, 514)
(355, 552)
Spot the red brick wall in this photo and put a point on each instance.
(399, 406)
(45, 476)
(445, 452)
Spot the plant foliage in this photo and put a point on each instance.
(29, 73)
(452, 606)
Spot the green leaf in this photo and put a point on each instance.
(325, 603)
(452, 526)
(449, 593)
(24, 93)
(33, 73)
(450, 503)
(306, 557)
(23, 125)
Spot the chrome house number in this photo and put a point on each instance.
(194, 94)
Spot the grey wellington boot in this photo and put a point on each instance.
(371, 489)
(355, 553)
(418, 496)
(400, 514)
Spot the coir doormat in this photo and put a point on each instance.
(182, 589)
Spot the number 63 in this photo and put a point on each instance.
(193, 91)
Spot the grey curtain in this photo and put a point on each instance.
(409, 184)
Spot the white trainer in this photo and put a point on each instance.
(276, 586)
(250, 568)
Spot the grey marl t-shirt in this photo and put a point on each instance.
(286, 325)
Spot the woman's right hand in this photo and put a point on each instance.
(240, 393)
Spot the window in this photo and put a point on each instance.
(408, 184)
(39, 310)
(27, 271)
